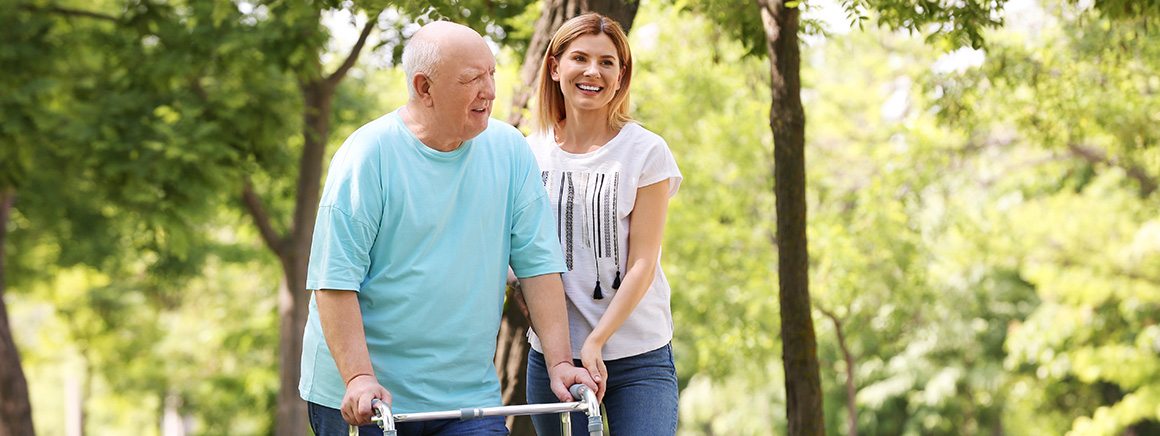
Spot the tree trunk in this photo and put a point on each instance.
(787, 120)
(15, 408)
(511, 356)
(511, 363)
(293, 298)
(555, 13)
(294, 250)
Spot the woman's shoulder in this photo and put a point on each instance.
(635, 132)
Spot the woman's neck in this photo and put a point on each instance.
(584, 132)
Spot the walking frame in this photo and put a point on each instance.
(585, 402)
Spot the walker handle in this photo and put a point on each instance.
(581, 392)
(383, 417)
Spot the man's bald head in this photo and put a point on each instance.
(433, 43)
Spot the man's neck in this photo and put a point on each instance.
(421, 124)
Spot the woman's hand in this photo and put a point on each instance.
(591, 355)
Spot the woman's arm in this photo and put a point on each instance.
(646, 229)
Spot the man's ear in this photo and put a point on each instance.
(422, 84)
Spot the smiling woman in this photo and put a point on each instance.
(609, 181)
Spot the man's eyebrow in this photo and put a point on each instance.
(471, 72)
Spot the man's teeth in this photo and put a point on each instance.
(590, 88)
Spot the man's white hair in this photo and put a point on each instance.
(420, 55)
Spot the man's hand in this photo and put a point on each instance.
(356, 404)
(563, 375)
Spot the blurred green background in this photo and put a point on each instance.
(984, 224)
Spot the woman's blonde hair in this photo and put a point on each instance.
(550, 110)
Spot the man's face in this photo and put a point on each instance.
(463, 91)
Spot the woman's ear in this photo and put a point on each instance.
(554, 68)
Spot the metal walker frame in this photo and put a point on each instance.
(585, 401)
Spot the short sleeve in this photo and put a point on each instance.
(349, 214)
(535, 249)
(339, 251)
(659, 165)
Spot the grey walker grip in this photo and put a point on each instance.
(577, 391)
(469, 413)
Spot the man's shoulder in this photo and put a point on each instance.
(501, 131)
(385, 124)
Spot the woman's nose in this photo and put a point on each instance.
(592, 70)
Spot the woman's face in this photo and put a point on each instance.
(588, 72)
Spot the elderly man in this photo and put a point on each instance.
(423, 211)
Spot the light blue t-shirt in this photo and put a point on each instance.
(426, 238)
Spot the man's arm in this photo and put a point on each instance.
(544, 295)
(342, 326)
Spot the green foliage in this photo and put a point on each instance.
(216, 352)
(893, 259)
(1086, 87)
(1082, 360)
(949, 24)
(740, 20)
(1096, 330)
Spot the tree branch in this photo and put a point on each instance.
(70, 12)
(354, 51)
(254, 205)
(195, 85)
(1148, 184)
(851, 390)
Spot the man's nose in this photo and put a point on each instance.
(488, 91)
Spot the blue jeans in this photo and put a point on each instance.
(328, 422)
(640, 400)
